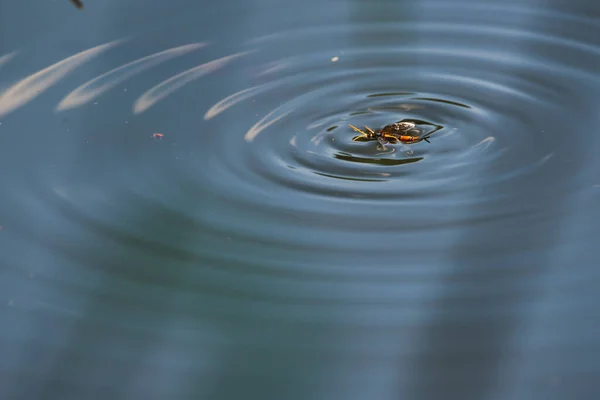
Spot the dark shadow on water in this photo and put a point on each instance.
(377, 161)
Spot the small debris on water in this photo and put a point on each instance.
(335, 59)
(77, 3)
(158, 135)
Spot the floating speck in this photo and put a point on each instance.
(158, 135)
(335, 59)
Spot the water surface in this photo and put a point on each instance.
(184, 213)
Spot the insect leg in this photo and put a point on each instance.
(372, 133)
(358, 130)
(382, 141)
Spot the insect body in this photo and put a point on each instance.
(393, 133)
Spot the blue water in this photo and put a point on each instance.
(184, 212)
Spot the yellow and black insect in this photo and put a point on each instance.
(398, 132)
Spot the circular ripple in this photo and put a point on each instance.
(252, 224)
(498, 149)
(277, 172)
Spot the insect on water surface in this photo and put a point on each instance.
(398, 132)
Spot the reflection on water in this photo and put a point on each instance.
(92, 89)
(379, 161)
(256, 250)
(149, 98)
(29, 88)
(6, 58)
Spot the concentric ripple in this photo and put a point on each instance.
(275, 143)
(497, 113)
(190, 211)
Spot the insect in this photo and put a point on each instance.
(397, 132)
